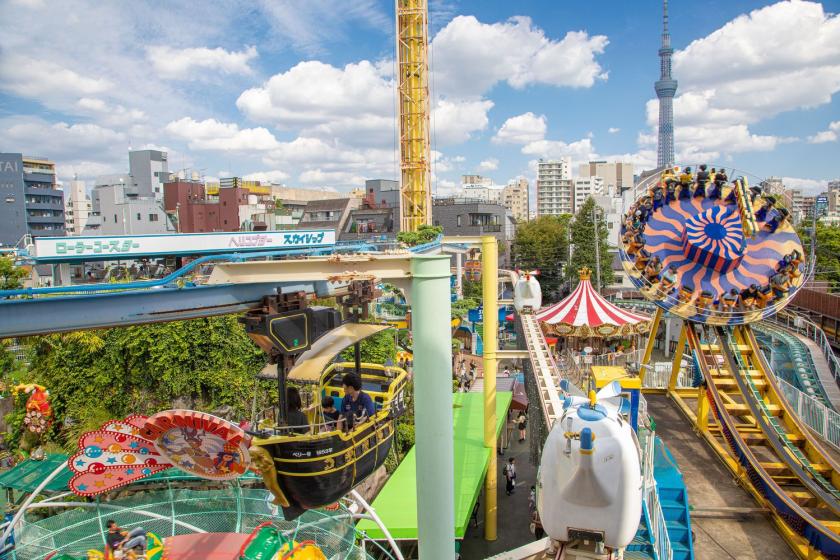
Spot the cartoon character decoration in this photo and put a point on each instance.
(38, 411)
(199, 443)
(527, 296)
(115, 455)
(269, 542)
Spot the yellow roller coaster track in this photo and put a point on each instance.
(758, 436)
(413, 99)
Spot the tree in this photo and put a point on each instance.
(583, 242)
(11, 275)
(91, 375)
(376, 349)
(827, 253)
(543, 244)
(424, 234)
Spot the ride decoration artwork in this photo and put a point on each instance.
(113, 456)
(199, 443)
(711, 250)
(38, 410)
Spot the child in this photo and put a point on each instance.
(330, 413)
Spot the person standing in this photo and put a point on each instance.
(510, 476)
(521, 424)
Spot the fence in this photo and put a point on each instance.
(181, 511)
(806, 328)
(821, 419)
(658, 530)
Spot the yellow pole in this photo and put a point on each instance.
(651, 340)
(702, 409)
(678, 355)
(490, 286)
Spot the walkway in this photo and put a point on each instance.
(513, 520)
(711, 491)
(827, 380)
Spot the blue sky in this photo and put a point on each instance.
(302, 91)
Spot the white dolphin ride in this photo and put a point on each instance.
(589, 486)
(527, 295)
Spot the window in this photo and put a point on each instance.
(458, 223)
(138, 217)
(115, 218)
(153, 217)
(10, 199)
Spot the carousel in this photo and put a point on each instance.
(589, 329)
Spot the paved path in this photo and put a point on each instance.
(513, 518)
(711, 485)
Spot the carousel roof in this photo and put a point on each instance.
(586, 313)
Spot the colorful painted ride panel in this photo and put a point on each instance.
(704, 239)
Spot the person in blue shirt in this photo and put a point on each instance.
(356, 405)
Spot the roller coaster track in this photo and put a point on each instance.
(544, 369)
(760, 438)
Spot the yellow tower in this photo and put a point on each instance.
(413, 99)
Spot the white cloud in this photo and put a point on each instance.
(211, 134)
(829, 135)
(489, 164)
(522, 129)
(471, 57)
(40, 78)
(613, 130)
(445, 187)
(59, 140)
(807, 186)
(455, 121)
(272, 176)
(580, 150)
(340, 178)
(186, 64)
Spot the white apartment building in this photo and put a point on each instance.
(584, 187)
(555, 191)
(77, 207)
(617, 175)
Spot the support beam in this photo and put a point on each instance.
(702, 409)
(657, 317)
(490, 285)
(678, 355)
(433, 407)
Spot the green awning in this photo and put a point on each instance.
(26, 476)
(396, 504)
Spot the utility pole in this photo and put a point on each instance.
(597, 249)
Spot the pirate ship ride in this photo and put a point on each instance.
(316, 468)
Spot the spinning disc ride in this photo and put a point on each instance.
(712, 251)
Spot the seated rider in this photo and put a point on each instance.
(668, 278)
(777, 219)
(780, 284)
(686, 291)
(706, 298)
(671, 192)
(720, 178)
(331, 414)
(766, 206)
(642, 258)
(749, 296)
(658, 198)
(356, 405)
(765, 296)
(729, 300)
(296, 419)
(118, 539)
(636, 245)
(702, 180)
(652, 270)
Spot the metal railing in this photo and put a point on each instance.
(659, 538)
(824, 421)
(810, 330)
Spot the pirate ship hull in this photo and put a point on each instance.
(315, 470)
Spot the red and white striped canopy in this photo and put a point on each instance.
(586, 313)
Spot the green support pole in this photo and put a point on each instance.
(434, 438)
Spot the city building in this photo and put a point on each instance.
(466, 217)
(77, 208)
(774, 186)
(555, 192)
(383, 193)
(149, 170)
(617, 175)
(584, 187)
(119, 211)
(331, 213)
(30, 201)
(666, 89)
(516, 198)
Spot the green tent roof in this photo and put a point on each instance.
(396, 504)
(26, 476)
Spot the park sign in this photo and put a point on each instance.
(126, 247)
